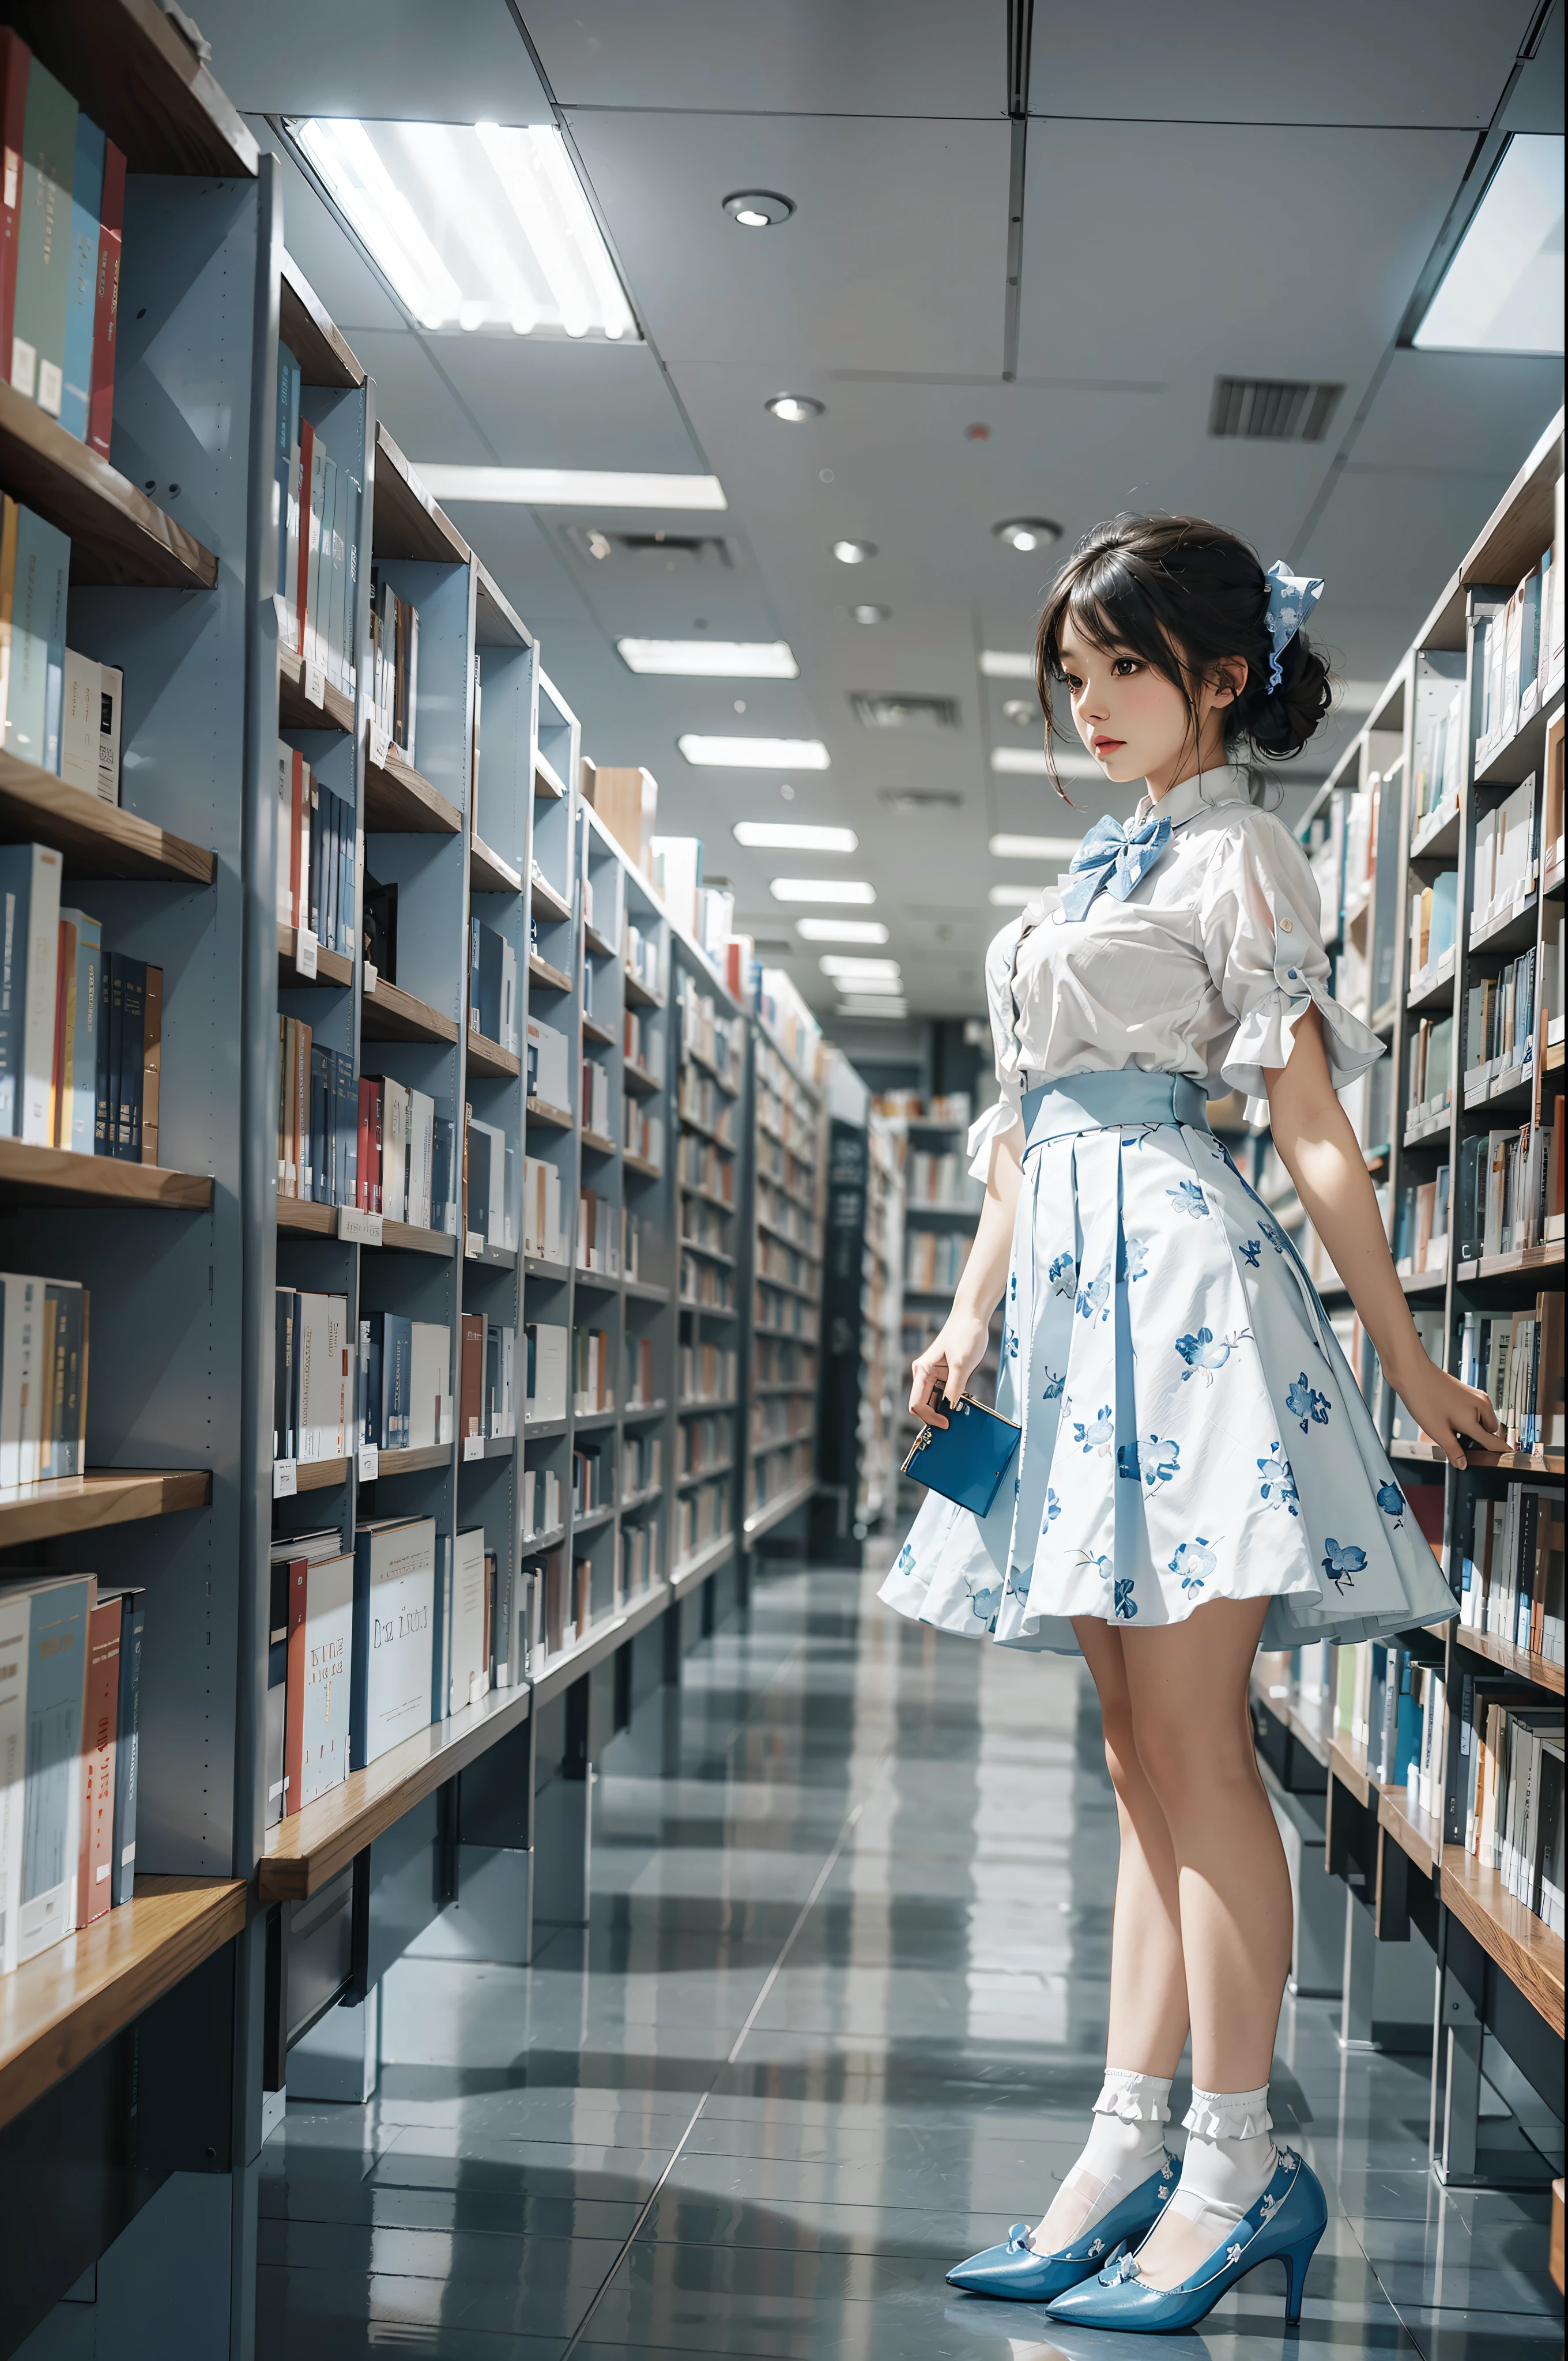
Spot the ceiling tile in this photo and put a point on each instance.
(400, 59)
(422, 412)
(895, 258)
(1337, 61)
(792, 57)
(343, 281)
(1479, 410)
(545, 404)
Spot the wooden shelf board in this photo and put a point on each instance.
(332, 967)
(306, 327)
(639, 1080)
(773, 1512)
(404, 520)
(104, 1495)
(696, 1476)
(97, 840)
(594, 1031)
(1347, 1763)
(553, 1119)
(1538, 1669)
(646, 1290)
(1308, 1726)
(1508, 929)
(117, 534)
(644, 1409)
(497, 622)
(548, 786)
(637, 991)
(544, 897)
(416, 1460)
(600, 1142)
(411, 1238)
(641, 1165)
(306, 1219)
(488, 1257)
(295, 710)
(320, 1475)
(487, 1056)
(1418, 1835)
(388, 1014)
(705, 1561)
(297, 1214)
(31, 1175)
(1529, 1955)
(487, 873)
(128, 69)
(399, 801)
(1516, 1463)
(542, 971)
(1521, 1263)
(600, 945)
(64, 2004)
(311, 1845)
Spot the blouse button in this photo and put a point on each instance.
(1285, 926)
(1290, 975)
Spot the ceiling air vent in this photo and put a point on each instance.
(651, 552)
(1272, 410)
(905, 712)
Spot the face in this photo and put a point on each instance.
(1133, 721)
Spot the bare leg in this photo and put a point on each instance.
(1187, 1685)
(1148, 1991)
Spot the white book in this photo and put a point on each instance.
(494, 1211)
(394, 1634)
(285, 816)
(329, 1652)
(15, 1624)
(422, 1143)
(394, 1150)
(321, 1346)
(550, 1362)
(312, 650)
(548, 1060)
(330, 609)
(470, 1665)
(509, 999)
(430, 1385)
(21, 1376)
(59, 1610)
(42, 952)
(529, 1482)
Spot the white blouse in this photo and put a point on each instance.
(1204, 970)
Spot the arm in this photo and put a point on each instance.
(957, 1351)
(1321, 1156)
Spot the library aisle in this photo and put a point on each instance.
(834, 2023)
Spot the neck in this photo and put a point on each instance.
(1210, 756)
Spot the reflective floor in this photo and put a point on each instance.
(836, 2022)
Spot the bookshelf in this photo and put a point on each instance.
(713, 1062)
(783, 1258)
(1437, 845)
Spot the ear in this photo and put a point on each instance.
(1229, 679)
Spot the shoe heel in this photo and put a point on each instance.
(1295, 2259)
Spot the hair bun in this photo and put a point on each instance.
(1280, 724)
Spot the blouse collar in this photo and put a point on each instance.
(1189, 797)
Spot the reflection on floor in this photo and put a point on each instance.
(836, 2022)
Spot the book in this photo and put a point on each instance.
(61, 1613)
(90, 727)
(16, 1619)
(470, 1664)
(151, 1065)
(37, 359)
(100, 1727)
(82, 291)
(35, 674)
(470, 1397)
(320, 1645)
(15, 59)
(275, 1771)
(394, 1580)
(127, 1743)
(107, 307)
(430, 1385)
(127, 988)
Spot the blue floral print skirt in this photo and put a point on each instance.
(1190, 1427)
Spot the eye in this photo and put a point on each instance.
(1125, 667)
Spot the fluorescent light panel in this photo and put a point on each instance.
(567, 487)
(712, 659)
(858, 1007)
(474, 225)
(1006, 663)
(1034, 848)
(754, 753)
(840, 930)
(1030, 762)
(1503, 291)
(790, 836)
(867, 974)
(1012, 897)
(821, 889)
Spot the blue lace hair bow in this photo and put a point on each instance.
(1291, 599)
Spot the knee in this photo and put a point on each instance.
(1127, 1775)
(1187, 1758)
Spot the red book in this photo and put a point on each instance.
(471, 1375)
(376, 1115)
(15, 59)
(100, 1721)
(64, 973)
(307, 451)
(106, 302)
(366, 1121)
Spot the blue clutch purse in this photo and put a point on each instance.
(966, 1459)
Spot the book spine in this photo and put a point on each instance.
(43, 254)
(294, 1688)
(14, 59)
(133, 1016)
(151, 1062)
(86, 204)
(42, 981)
(107, 304)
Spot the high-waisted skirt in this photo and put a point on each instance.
(1190, 1428)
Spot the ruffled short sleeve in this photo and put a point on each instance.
(998, 1120)
(1263, 938)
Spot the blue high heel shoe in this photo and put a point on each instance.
(1016, 2271)
(1287, 2223)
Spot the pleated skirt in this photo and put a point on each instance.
(1190, 1428)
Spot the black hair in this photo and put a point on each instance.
(1184, 597)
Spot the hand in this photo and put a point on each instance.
(947, 1364)
(1444, 1409)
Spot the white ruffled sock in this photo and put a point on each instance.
(1126, 2144)
(1229, 2162)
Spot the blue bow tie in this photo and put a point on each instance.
(1112, 857)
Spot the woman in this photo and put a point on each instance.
(1197, 1474)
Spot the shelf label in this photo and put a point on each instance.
(381, 746)
(306, 950)
(361, 1228)
(315, 685)
(285, 1478)
(372, 978)
(474, 1246)
(369, 1462)
(472, 1447)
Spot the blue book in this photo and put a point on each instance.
(82, 1111)
(444, 1141)
(370, 1346)
(321, 1115)
(51, 1837)
(441, 1641)
(86, 204)
(38, 636)
(286, 433)
(134, 1618)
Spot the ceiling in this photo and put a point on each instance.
(1203, 195)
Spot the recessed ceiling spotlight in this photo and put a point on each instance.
(758, 208)
(794, 408)
(1022, 711)
(853, 552)
(1025, 534)
(795, 836)
(840, 930)
(869, 614)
